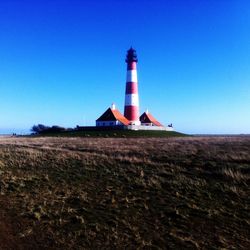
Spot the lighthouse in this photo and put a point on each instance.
(131, 107)
(131, 120)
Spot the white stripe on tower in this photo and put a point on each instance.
(131, 99)
(131, 108)
(132, 75)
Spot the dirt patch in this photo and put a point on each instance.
(9, 228)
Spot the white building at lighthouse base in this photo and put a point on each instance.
(113, 118)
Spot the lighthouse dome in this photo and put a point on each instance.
(131, 56)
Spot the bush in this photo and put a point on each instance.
(40, 129)
(37, 129)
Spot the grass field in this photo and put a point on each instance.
(124, 193)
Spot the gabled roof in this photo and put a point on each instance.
(146, 117)
(113, 115)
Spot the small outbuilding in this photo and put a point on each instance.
(147, 119)
(111, 117)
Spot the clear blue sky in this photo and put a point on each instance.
(63, 62)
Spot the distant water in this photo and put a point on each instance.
(219, 135)
(10, 131)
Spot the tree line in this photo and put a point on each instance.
(40, 129)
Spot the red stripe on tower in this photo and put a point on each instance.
(131, 107)
(131, 88)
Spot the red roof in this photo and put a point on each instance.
(120, 117)
(113, 115)
(148, 118)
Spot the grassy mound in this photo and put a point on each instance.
(115, 134)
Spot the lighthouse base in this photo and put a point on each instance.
(141, 127)
(135, 123)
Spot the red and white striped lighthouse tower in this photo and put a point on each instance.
(131, 108)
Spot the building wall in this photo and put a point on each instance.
(147, 124)
(162, 128)
(107, 123)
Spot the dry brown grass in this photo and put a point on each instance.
(144, 193)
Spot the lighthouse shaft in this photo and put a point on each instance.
(131, 108)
